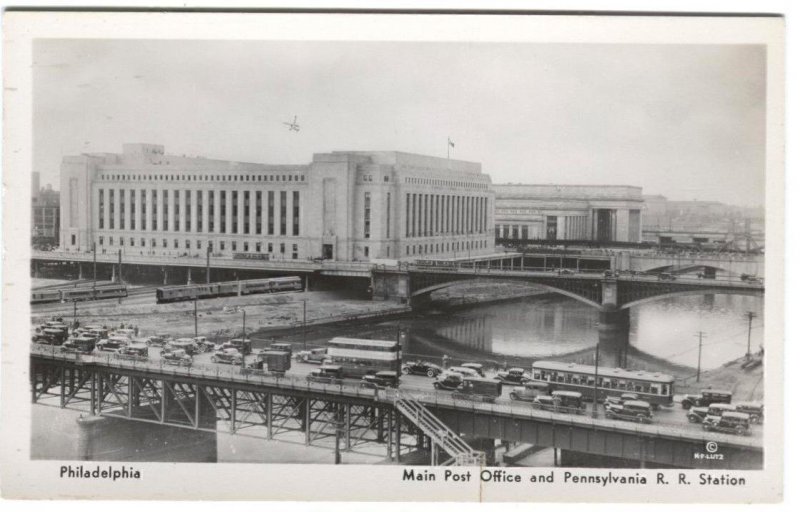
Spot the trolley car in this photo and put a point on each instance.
(653, 388)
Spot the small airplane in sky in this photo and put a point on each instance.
(293, 126)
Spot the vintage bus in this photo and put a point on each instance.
(359, 357)
(653, 388)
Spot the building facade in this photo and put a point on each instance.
(45, 214)
(346, 206)
(568, 212)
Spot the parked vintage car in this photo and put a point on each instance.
(619, 399)
(730, 423)
(243, 345)
(326, 374)
(630, 410)
(50, 336)
(529, 391)
(448, 381)
(112, 344)
(83, 343)
(706, 398)
(187, 344)
(513, 376)
(203, 344)
(465, 372)
(666, 276)
(474, 366)
(715, 411)
(697, 414)
(560, 401)
(177, 357)
(420, 367)
(315, 355)
(753, 409)
(380, 380)
(228, 356)
(158, 340)
(479, 388)
(134, 351)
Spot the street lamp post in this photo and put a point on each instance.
(244, 336)
(304, 323)
(596, 372)
(195, 316)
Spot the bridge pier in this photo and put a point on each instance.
(613, 336)
(103, 438)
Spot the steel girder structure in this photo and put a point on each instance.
(181, 402)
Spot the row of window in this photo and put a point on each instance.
(219, 245)
(200, 210)
(581, 379)
(434, 214)
(203, 177)
(447, 183)
(446, 247)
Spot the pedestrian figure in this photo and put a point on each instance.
(444, 361)
(136, 331)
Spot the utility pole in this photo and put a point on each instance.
(304, 323)
(208, 264)
(750, 316)
(94, 265)
(195, 316)
(244, 338)
(119, 258)
(699, 336)
(596, 373)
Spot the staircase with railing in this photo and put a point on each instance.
(461, 453)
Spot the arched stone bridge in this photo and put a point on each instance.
(596, 289)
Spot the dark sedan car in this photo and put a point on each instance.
(513, 376)
(380, 380)
(421, 368)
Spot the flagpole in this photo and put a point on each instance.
(448, 148)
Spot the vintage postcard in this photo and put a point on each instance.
(396, 257)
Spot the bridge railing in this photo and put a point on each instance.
(431, 398)
(644, 277)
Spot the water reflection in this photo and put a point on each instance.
(552, 325)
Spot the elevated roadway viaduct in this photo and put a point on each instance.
(204, 398)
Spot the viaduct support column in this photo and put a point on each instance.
(613, 329)
(613, 335)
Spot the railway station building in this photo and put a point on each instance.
(344, 205)
(603, 213)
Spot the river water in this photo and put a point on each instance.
(551, 325)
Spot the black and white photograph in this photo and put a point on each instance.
(465, 259)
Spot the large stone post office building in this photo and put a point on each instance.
(346, 206)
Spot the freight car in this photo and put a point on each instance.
(110, 291)
(211, 290)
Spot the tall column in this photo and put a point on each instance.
(228, 211)
(251, 212)
(240, 212)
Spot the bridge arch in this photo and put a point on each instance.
(430, 289)
(683, 293)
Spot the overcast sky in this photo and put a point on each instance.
(683, 121)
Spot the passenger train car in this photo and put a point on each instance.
(211, 290)
(109, 291)
(653, 388)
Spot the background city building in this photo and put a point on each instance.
(342, 206)
(45, 214)
(568, 212)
